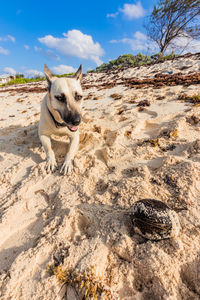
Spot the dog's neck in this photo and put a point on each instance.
(57, 124)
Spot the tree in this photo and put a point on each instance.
(172, 19)
(18, 75)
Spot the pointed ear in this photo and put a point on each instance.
(48, 75)
(79, 73)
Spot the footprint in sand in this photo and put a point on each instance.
(150, 112)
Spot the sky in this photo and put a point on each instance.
(65, 34)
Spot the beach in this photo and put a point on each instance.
(140, 138)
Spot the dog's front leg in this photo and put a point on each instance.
(67, 166)
(51, 161)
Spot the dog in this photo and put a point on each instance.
(61, 115)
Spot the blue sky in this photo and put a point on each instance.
(64, 34)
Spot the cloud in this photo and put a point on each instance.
(184, 44)
(9, 70)
(63, 69)
(26, 47)
(7, 38)
(133, 11)
(75, 43)
(49, 54)
(11, 38)
(140, 36)
(4, 51)
(32, 73)
(139, 42)
(130, 11)
(114, 15)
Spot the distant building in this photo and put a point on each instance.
(6, 78)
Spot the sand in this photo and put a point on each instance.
(127, 152)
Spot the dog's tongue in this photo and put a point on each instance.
(73, 128)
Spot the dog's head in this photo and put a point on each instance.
(65, 95)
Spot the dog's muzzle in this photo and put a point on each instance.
(73, 121)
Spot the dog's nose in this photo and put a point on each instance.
(76, 120)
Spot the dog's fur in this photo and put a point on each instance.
(61, 115)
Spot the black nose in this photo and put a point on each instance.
(76, 119)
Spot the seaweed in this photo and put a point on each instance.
(86, 283)
(195, 99)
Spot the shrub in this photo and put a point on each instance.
(21, 81)
(19, 75)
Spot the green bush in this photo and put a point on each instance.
(65, 75)
(19, 75)
(21, 81)
(130, 60)
(126, 60)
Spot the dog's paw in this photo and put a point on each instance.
(67, 167)
(51, 165)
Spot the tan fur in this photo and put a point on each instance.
(68, 87)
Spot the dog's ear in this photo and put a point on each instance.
(48, 75)
(79, 73)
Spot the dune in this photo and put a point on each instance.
(140, 138)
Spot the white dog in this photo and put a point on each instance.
(61, 115)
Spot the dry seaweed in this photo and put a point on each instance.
(195, 99)
(86, 283)
(116, 96)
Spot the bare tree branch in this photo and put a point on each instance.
(170, 19)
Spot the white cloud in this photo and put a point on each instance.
(184, 44)
(32, 73)
(9, 70)
(115, 41)
(133, 11)
(139, 42)
(63, 69)
(26, 47)
(140, 36)
(47, 53)
(11, 38)
(130, 11)
(4, 51)
(75, 43)
(8, 37)
(135, 44)
(114, 15)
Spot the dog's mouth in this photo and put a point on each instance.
(72, 127)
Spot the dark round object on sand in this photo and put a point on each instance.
(154, 220)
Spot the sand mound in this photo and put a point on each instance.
(129, 150)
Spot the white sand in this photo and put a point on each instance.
(83, 217)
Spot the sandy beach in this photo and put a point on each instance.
(140, 138)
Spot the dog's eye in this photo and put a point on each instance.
(60, 97)
(78, 97)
